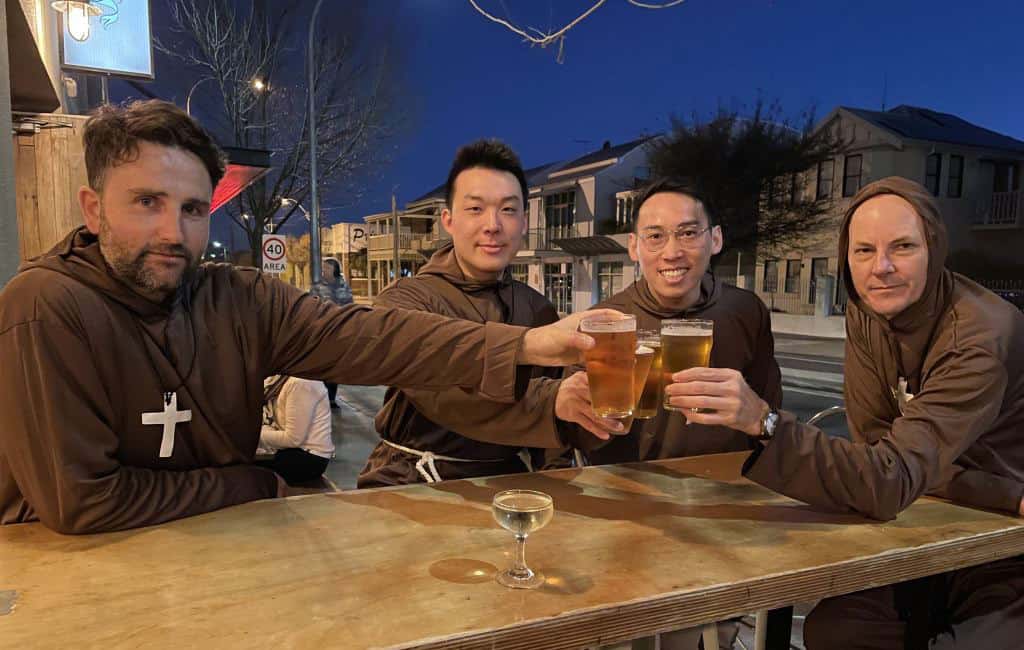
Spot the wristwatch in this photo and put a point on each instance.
(768, 422)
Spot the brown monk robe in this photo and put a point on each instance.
(486, 437)
(935, 402)
(742, 340)
(119, 412)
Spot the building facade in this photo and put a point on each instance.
(578, 213)
(974, 174)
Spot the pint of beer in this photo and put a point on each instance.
(684, 344)
(610, 364)
(647, 377)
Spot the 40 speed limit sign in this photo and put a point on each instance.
(273, 254)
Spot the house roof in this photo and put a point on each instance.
(537, 176)
(534, 176)
(589, 246)
(606, 152)
(918, 123)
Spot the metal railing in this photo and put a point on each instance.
(542, 239)
(1001, 209)
(406, 241)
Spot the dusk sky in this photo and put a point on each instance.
(627, 69)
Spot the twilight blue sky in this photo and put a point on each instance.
(627, 69)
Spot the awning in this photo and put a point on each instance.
(589, 246)
(245, 167)
(31, 90)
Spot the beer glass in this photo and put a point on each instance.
(610, 364)
(647, 377)
(521, 512)
(685, 344)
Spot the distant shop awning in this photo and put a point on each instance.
(31, 90)
(245, 167)
(589, 246)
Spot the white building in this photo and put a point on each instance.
(973, 172)
(579, 214)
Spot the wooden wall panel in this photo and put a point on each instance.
(49, 168)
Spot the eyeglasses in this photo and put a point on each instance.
(687, 237)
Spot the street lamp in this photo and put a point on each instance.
(76, 16)
(287, 202)
(258, 85)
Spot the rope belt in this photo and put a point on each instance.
(425, 465)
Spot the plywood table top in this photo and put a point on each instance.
(632, 550)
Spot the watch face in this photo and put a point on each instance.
(770, 421)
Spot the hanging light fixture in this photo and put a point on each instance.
(76, 16)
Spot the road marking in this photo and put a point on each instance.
(809, 358)
(811, 391)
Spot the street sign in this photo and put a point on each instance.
(273, 254)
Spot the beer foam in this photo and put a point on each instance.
(643, 349)
(604, 325)
(685, 330)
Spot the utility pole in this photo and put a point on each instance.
(9, 260)
(315, 276)
(396, 222)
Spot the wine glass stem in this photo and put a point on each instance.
(519, 564)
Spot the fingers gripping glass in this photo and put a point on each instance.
(656, 239)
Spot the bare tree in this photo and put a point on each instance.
(557, 36)
(756, 169)
(253, 55)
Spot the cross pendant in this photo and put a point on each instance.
(169, 418)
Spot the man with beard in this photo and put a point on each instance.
(934, 387)
(133, 377)
(434, 435)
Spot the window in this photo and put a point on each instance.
(825, 170)
(558, 286)
(560, 214)
(841, 297)
(933, 173)
(624, 212)
(771, 276)
(851, 174)
(793, 276)
(955, 183)
(819, 267)
(609, 277)
(520, 272)
(1005, 177)
(794, 190)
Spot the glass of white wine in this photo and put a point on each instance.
(521, 512)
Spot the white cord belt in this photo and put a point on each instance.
(425, 465)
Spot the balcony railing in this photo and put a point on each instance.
(1001, 209)
(406, 241)
(542, 239)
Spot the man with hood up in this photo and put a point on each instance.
(934, 387)
(430, 435)
(133, 375)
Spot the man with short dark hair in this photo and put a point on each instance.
(673, 241)
(934, 386)
(133, 377)
(432, 435)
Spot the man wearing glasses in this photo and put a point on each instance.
(673, 241)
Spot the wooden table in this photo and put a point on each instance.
(632, 550)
